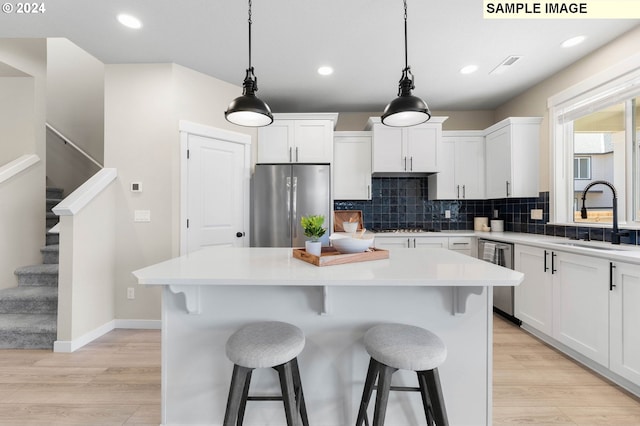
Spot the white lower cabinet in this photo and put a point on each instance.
(533, 297)
(587, 304)
(411, 242)
(565, 296)
(624, 302)
(580, 304)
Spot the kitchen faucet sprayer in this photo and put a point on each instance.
(615, 234)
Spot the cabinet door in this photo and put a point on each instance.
(422, 148)
(313, 141)
(387, 149)
(437, 242)
(352, 168)
(442, 185)
(275, 142)
(498, 163)
(469, 168)
(391, 242)
(625, 321)
(581, 305)
(533, 297)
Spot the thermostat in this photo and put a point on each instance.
(136, 186)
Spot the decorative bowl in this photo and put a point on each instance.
(345, 243)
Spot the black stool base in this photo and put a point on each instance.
(428, 386)
(292, 395)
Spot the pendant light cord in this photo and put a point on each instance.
(406, 56)
(250, 22)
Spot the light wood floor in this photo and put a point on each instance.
(115, 380)
(533, 384)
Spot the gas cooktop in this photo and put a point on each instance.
(404, 230)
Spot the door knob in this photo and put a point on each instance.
(239, 234)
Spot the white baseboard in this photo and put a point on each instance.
(68, 346)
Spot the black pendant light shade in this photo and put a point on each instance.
(249, 110)
(405, 110)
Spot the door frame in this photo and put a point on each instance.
(187, 128)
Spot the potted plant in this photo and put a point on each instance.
(312, 226)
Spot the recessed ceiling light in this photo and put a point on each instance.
(469, 69)
(573, 41)
(129, 21)
(325, 70)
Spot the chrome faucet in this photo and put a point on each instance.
(615, 234)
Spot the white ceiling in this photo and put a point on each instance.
(361, 39)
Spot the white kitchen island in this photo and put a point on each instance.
(210, 293)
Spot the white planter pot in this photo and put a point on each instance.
(313, 247)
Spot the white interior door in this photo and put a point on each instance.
(217, 192)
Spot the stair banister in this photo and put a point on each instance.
(14, 167)
(66, 140)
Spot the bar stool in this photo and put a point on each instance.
(395, 347)
(269, 344)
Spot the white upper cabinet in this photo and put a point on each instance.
(297, 138)
(413, 149)
(461, 164)
(512, 151)
(352, 165)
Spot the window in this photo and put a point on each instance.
(582, 168)
(595, 136)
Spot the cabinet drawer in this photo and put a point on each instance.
(460, 243)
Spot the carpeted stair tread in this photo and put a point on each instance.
(53, 192)
(29, 300)
(27, 331)
(50, 253)
(43, 274)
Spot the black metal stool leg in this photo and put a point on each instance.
(426, 401)
(297, 383)
(238, 380)
(243, 400)
(372, 374)
(435, 396)
(288, 393)
(382, 395)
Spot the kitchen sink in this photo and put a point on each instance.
(589, 246)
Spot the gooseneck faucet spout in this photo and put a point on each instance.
(615, 234)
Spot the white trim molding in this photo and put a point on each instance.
(14, 167)
(68, 346)
(85, 193)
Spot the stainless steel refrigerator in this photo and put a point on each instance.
(281, 195)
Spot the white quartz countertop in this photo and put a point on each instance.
(277, 266)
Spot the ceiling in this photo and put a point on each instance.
(361, 39)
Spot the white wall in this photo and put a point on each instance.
(22, 112)
(143, 106)
(75, 95)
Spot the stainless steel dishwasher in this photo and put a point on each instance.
(501, 254)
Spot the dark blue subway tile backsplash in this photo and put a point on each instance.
(402, 203)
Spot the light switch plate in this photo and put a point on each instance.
(536, 214)
(142, 215)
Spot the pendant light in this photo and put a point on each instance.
(405, 110)
(248, 110)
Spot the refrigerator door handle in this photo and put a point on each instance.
(295, 205)
(289, 200)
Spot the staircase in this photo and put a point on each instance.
(28, 312)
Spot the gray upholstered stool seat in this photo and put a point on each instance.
(405, 347)
(395, 347)
(265, 344)
(270, 344)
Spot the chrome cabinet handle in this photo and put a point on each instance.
(411, 168)
(611, 284)
(464, 192)
(369, 192)
(546, 268)
(405, 164)
(553, 263)
(507, 182)
(458, 189)
(290, 155)
(297, 154)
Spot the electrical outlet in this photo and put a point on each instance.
(495, 214)
(447, 214)
(536, 214)
(131, 293)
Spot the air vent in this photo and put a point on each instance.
(506, 64)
